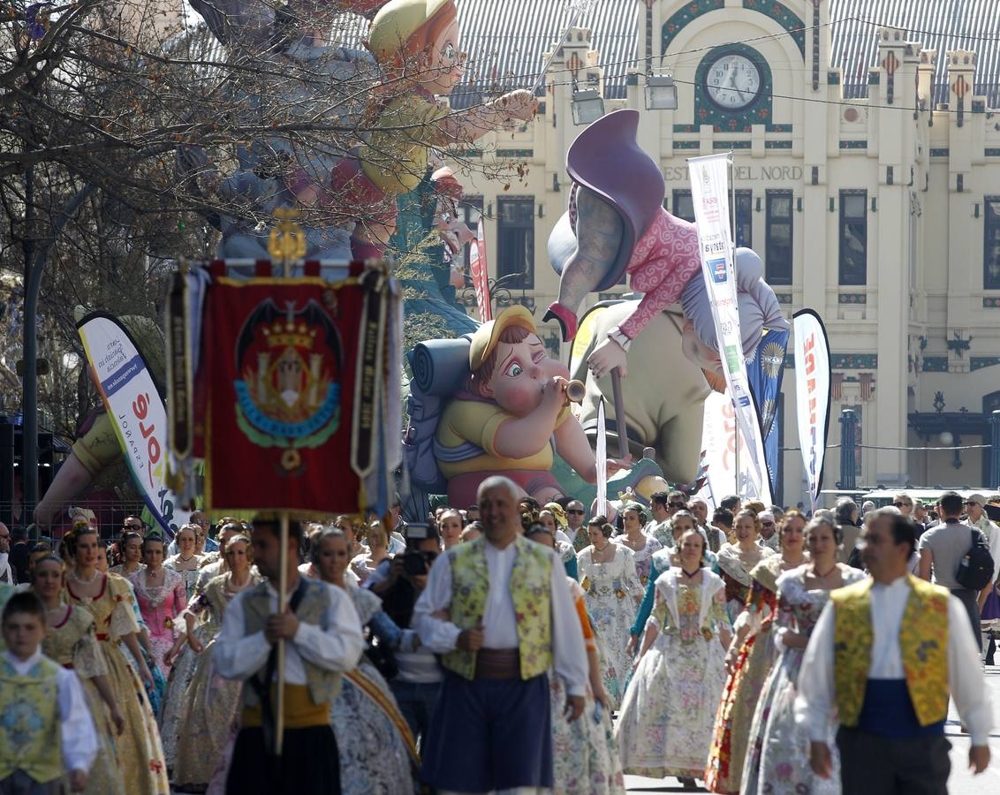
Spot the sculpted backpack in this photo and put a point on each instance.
(975, 570)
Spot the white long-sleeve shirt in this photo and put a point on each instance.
(338, 648)
(817, 695)
(499, 622)
(76, 729)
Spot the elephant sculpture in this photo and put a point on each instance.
(616, 226)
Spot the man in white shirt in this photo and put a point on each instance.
(876, 659)
(499, 610)
(322, 635)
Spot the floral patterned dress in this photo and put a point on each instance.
(72, 642)
(209, 703)
(140, 753)
(744, 685)
(160, 605)
(584, 752)
(643, 557)
(612, 593)
(777, 760)
(373, 739)
(735, 566)
(666, 720)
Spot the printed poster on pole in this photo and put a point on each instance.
(812, 394)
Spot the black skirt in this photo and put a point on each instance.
(308, 765)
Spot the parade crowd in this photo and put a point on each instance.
(504, 646)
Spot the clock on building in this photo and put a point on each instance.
(732, 81)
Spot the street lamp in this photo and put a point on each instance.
(661, 93)
(587, 106)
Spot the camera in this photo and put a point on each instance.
(417, 562)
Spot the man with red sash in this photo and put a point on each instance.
(500, 611)
(886, 655)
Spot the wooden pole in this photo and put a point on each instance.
(616, 392)
(279, 717)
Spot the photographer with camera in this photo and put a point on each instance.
(418, 681)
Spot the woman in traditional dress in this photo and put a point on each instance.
(108, 598)
(564, 549)
(778, 758)
(182, 663)
(365, 564)
(450, 528)
(186, 562)
(130, 548)
(376, 749)
(642, 545)
(584, 752)
(210, 702)
(736, 560)
(71, 640)
(613, 591)
(750, 658)
(665, 724)
(161, 596)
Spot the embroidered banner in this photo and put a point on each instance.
(812, 395)
(135, 406)
(709, 192)
(290, 363)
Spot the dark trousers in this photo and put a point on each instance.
(309, 764)
(490, 734)
(970, 602)
(875, 765)
(416, 701)
(20, 783)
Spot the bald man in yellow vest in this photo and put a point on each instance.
(886, 655)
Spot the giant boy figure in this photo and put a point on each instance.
(511, 412)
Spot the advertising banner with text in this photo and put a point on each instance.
(710, 195)
(812, 394)
(137, 411)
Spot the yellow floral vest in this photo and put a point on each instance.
(923, 643)
(530, 590)
(29, 721)
(323, 685)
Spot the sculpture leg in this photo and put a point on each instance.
(599, 231)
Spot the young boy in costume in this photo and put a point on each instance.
(46, 730)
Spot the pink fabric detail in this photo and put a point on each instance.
(663, 262)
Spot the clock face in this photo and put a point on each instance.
(733, 81)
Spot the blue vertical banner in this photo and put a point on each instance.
(765, 370)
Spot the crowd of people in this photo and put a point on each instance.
(503, 645)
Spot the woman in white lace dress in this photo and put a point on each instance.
(376, 748)
(667, 716)
(613, 591)
(777, 761)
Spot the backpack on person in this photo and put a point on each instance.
(975, 570)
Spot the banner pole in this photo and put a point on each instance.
(279, 720)
(732, 215)
(616, 391)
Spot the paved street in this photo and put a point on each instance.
(962, 782)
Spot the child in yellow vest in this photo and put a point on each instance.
(46, 730)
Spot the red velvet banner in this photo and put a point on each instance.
(280, 358)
